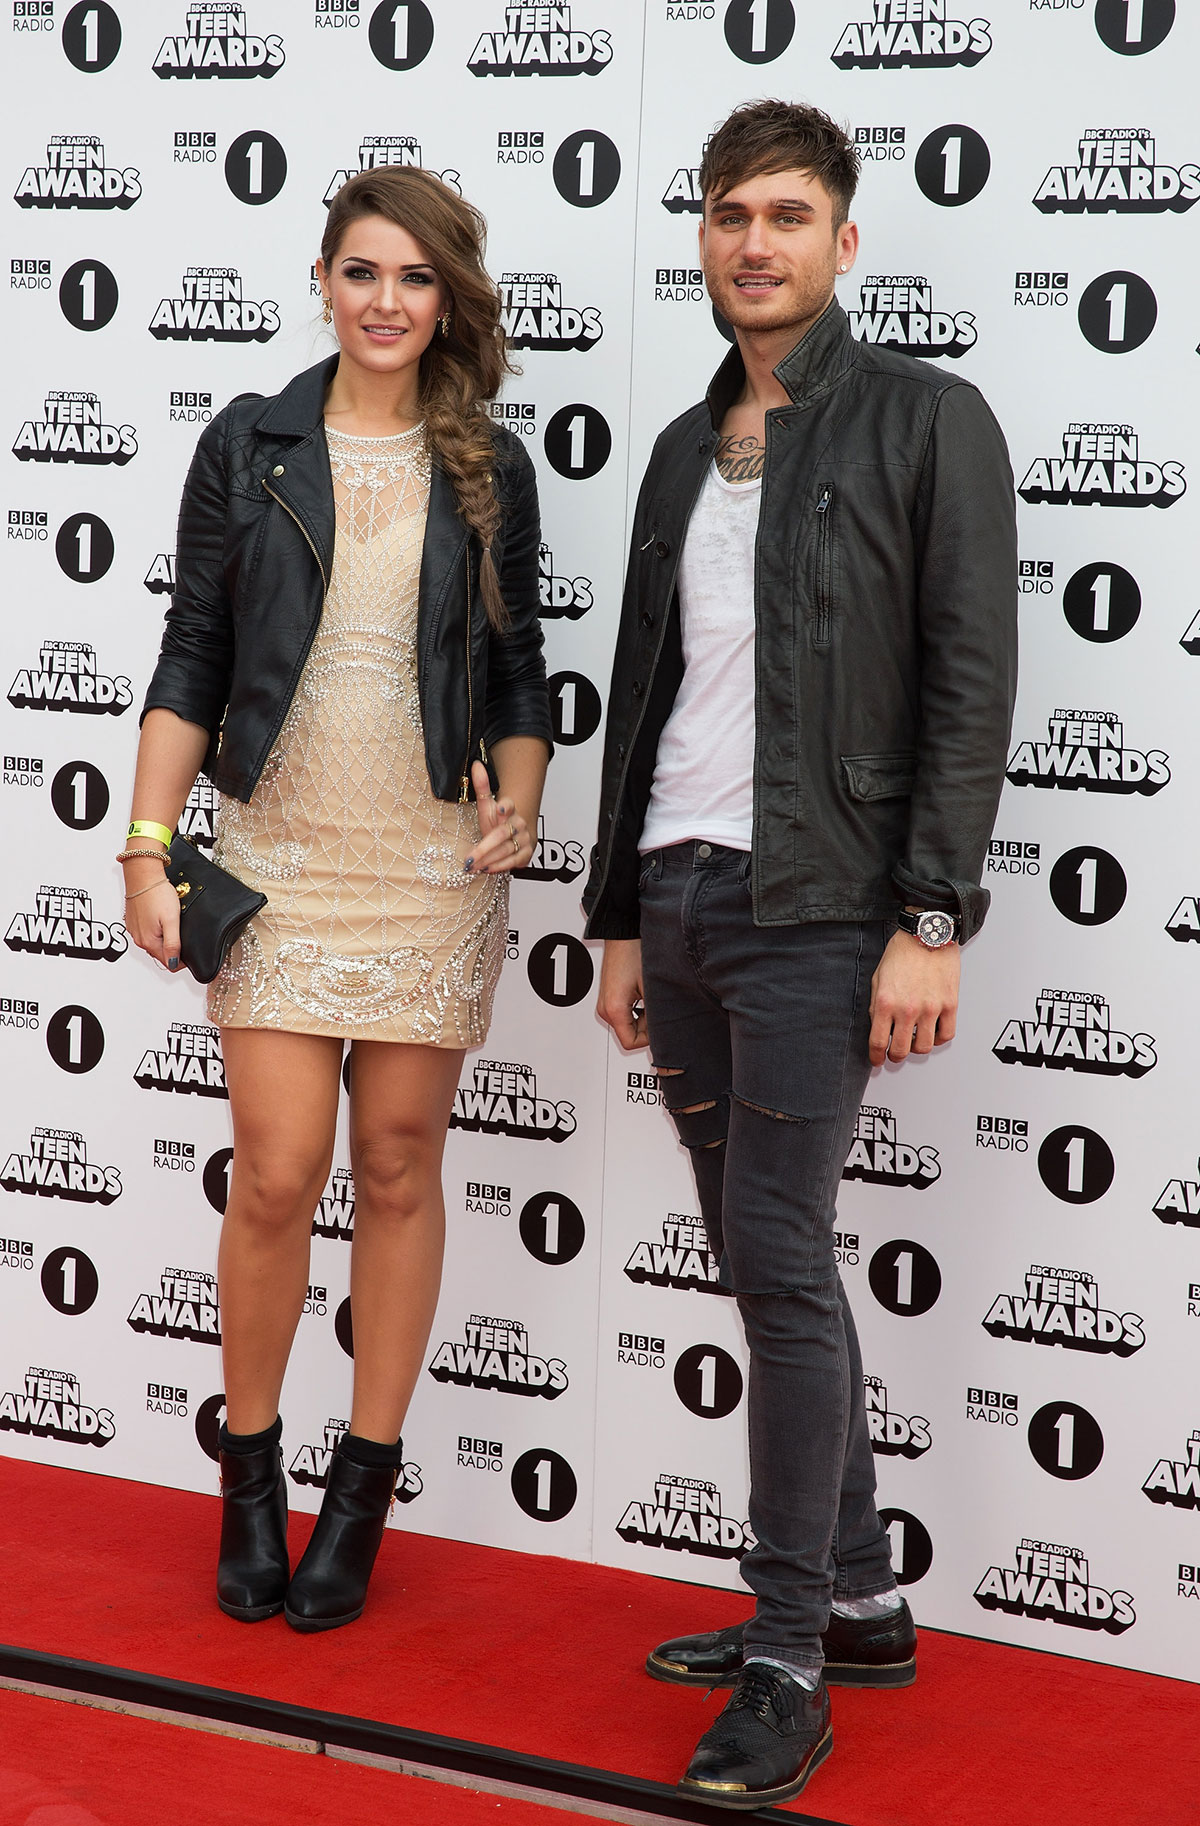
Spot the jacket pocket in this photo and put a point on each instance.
(823, 567)
(879, 776)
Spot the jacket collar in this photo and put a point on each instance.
(300, 407)
(818, 360)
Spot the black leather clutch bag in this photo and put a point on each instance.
(214, 906)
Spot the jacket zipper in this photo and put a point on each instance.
(821, 634)
(637, 728)
(324, 591)
(465, 784)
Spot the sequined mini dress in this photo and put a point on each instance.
(372, 930)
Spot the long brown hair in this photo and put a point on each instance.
(461, 371)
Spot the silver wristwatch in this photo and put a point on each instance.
(934, 929)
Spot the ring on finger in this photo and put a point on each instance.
(515, 842)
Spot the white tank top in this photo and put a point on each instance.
(704, 774)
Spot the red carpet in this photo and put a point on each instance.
(549, 1662)
(68, 1765)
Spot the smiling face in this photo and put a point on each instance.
(386, 297)
(770, 251)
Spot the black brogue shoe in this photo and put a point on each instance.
(765, 1745)
(873, 1652)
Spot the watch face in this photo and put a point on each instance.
(935, 929)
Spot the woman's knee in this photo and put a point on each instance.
(394, 1173)
(274, 1190)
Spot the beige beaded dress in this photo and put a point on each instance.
(372, 930)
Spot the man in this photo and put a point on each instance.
(806, 741)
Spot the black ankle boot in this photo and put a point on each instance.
(329, 1586)
(252, 1572)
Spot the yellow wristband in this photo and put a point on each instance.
(142, 828)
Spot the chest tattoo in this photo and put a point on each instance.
(741, 459)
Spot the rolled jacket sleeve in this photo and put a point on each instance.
(195, 660)
(967, 620)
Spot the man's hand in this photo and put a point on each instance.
(619, 1002)
(914, 998)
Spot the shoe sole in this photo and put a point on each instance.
(310, 1625)
(837, 1674)
(251, 1613)
(748, 1800)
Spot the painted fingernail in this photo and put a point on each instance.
(172, 963)
(468, 865)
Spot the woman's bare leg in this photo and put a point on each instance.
(283, 1092)
(400, 1102)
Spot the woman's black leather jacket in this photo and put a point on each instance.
(255, 549)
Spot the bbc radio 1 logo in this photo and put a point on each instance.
(19, 1011)
(1039, 288)
(542, 41)
(189, 1062)
(1102, 466)
(341, 15)
(520, 146)
(686, 1514)
(879, 1158)
(893, 1434)
(1003, 1134)
(211, 308)
(993, 1407)
(643, 1087)
(33, 15)
(26, 274)
(72, 430)
(682, 1259)
(311, 1465)
(896, 311)
(1086, 750)
(62, 923)
(1050, 1583)
(678, 285)
(517, 416)
(503, 1100)
(1117, 173)
(876, 144)
(496, 1355)
(216, 42)
(184, 1308)
(166, 1398)
(185, 406)
(196, 146)
(1062, 1306)
(174, 1156)
(1073, 1031)
(376, 149)
(534, 316)
(1177, 1481)
(51, 1406)
(57, 1166)
(1013, 856)
(16, 1252)
(911, 35)
(334, 1215)
(479, 1454)
(76, 176)
(22, 770)
(29, 525)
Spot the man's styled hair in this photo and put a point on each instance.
(781, 136)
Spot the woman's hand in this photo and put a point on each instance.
(152, 917)
(505, 842)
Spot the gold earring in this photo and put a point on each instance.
(444, 323)
(327, 310)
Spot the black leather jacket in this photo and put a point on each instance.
(252, 565)
(885, 599)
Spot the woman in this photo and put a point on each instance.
(353, 638)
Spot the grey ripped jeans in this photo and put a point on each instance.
(760, 1034)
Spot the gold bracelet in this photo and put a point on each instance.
(145, 890)
(128, 855)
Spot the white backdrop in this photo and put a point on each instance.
(1023, 210)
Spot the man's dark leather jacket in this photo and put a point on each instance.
(252, 566)
(885, 599)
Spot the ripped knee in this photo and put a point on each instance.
(762, 1109)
